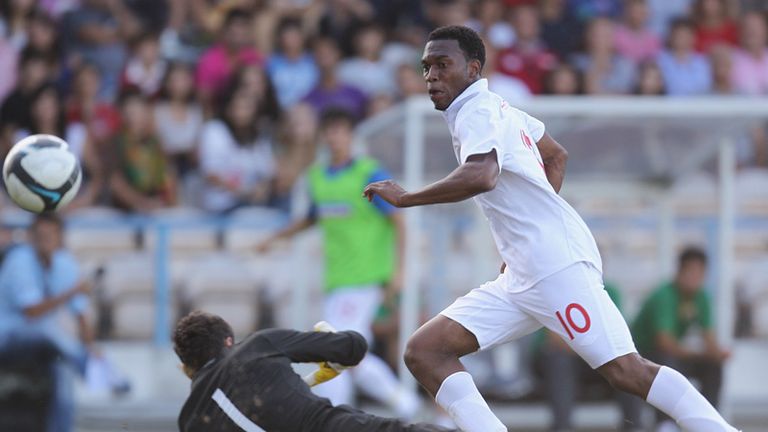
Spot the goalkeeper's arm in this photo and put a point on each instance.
(326, 371)
(346, 348)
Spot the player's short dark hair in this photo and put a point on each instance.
(469, 41)
(199, 337)
(334, 115)
(692, 254)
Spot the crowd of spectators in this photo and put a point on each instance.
(222, 97)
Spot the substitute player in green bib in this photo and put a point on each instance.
(362, 241)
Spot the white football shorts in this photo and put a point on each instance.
(572, 303)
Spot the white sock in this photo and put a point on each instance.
(459, 397)
(377, 380)
(673, 394)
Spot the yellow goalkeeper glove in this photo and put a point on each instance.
(327, 370)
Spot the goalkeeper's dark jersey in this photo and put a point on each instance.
(253, 388)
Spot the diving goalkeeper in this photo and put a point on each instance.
(251, 386)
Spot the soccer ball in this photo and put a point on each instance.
(41, 174)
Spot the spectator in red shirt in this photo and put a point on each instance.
(217, 64)
(528, 59)
(634, 38)
(84, 106)
(508, 87)
(713, 26)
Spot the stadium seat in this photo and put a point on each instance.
(256, 215)
(191, 231)
(751, 243)
(97, 213)
(636, 277)
(13, 216)
(601, 206)
(277, 273)
(640, 242)
(691, 236)
(695, 194)
(243, 240)
(223, 284)
(98, 243)
(248, 226)
(753, 280)
(95, 233)
(752, 192)
(129, 295)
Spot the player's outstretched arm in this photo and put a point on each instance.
(285, 233)
(478, 175)
(555, 158)
(346, 348)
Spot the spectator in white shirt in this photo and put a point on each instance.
(178, 118)
(236, 158)
(367, 71)
(145, 69)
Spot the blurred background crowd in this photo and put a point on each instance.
(214, 104)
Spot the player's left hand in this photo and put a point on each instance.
(388, 190)
(325, 372)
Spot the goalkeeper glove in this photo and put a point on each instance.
(327, 370)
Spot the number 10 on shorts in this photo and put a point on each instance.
(569, 324)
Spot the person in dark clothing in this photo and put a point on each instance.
(251, 386)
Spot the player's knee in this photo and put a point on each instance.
(416, 354)
(423, 351)
(439, 341)
(630, 373)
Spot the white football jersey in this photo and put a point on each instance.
(536, 231)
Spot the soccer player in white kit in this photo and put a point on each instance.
(552, 272)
